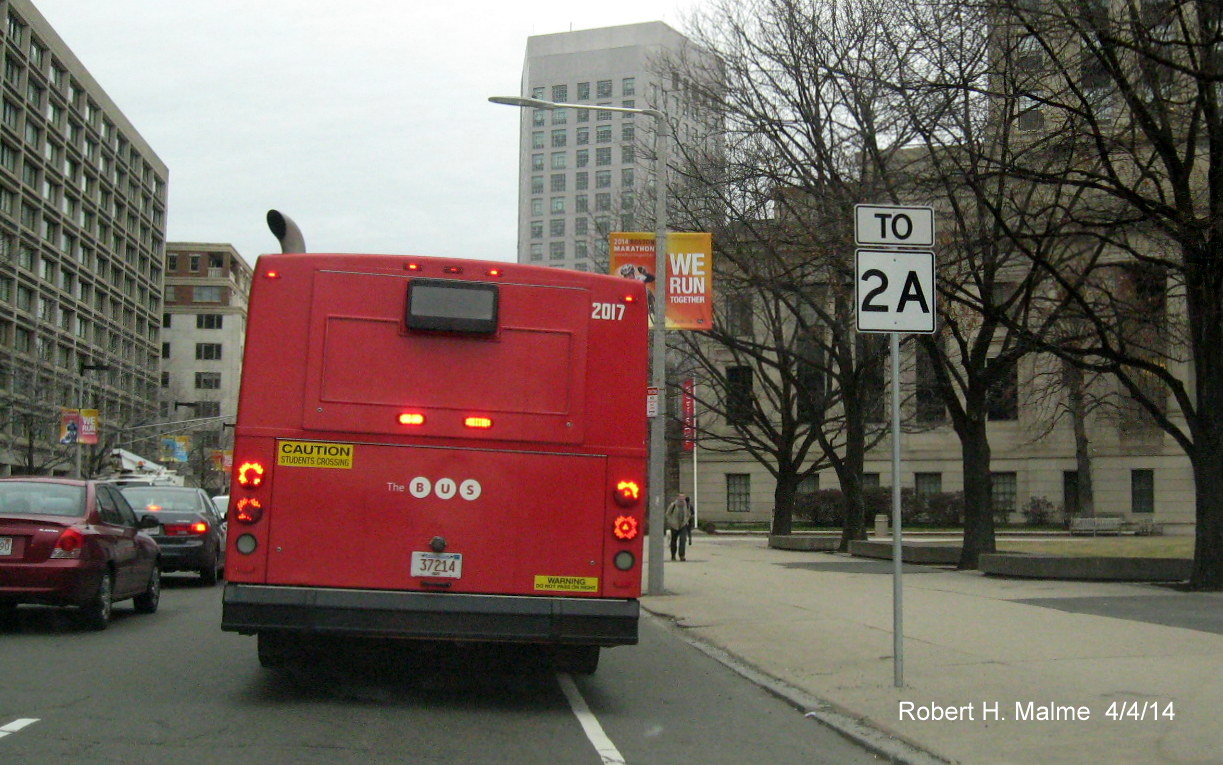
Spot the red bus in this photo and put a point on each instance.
(438, 449)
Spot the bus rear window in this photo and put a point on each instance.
(442, 305)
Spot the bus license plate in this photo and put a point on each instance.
(444, 565)
(6, 545)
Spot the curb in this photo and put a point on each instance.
(858, 729)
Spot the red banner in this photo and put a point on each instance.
(689, 414)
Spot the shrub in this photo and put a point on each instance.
(1039, 512)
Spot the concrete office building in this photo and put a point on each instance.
(583, 173)
(82, 234)
(203, 333)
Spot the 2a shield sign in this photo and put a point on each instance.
(895, 291)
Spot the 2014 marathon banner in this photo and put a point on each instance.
(689, 273)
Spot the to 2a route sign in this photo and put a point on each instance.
(895, 289)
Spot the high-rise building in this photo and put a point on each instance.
(203, 331)
(82, 232)
(585, 173)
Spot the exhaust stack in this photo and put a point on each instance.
(286, 232)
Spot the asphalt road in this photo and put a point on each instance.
(173, 688)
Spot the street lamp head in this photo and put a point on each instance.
(533, 103)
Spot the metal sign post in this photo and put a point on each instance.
(895, 293)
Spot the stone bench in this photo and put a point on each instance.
(1095, 526)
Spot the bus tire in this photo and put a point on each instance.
(577, 659)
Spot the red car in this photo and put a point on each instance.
(66, 542)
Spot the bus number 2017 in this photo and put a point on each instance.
(607, 311)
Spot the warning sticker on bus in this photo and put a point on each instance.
(314, 454)
(566, 583)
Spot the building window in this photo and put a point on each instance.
(208, 408)
(206, 295)
(556, 227)
(738, 394)
(537, 206)
(209, 320)
(1004, 488)
(628, 87)
(603, 179)
(930, 406)
(558, 160)
(537, 229)
(583, 91)
(1142, 491)
(603, 156)
(537, 252)
(738, 492)
(925, 484)
(603, 89)
(558, 205)
(559, 138)
(537, 139)
(207, 351)
(537, 184)
(165, 350)
(560, 93)
(558, 182)
(556, 250)
(165, 379)
(581, 181)
(603, 134)
(583, 136)
(583, 157)
(537, 162)
(870, 480)
(1002, 398)
(208, 380)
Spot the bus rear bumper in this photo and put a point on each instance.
(252, 608)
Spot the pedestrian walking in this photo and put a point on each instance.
(678, 519)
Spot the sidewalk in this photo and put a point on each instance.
(986, 650)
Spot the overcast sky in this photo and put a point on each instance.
(367, 121)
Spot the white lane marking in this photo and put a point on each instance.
(590, 724)
(16, 725)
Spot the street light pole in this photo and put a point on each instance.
(658, 335)
(80, 417)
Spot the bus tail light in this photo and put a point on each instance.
(478, 423)
(250, 474)
(626, 528)
(248, 510)
(411, 418)
(627, 493)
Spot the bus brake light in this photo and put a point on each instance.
(627, 493)
(411, 418)
(248, 510)
(479, 423)
(250, 474)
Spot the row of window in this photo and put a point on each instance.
(602, 89)
(203, 351)
(203, 380)
(1004, 488)
(581, 157)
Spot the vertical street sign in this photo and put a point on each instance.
(895, 293)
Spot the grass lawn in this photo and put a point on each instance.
(1120, 546)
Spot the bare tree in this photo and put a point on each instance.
(1120, 106)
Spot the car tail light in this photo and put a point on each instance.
(70, 544)
(479, 423)
(186, 529)
(250, 474)
(627, 493)
(626, 527)
(248, 510)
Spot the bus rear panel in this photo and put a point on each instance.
(438, 449)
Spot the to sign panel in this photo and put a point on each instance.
(895, 291)
(893, 226)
